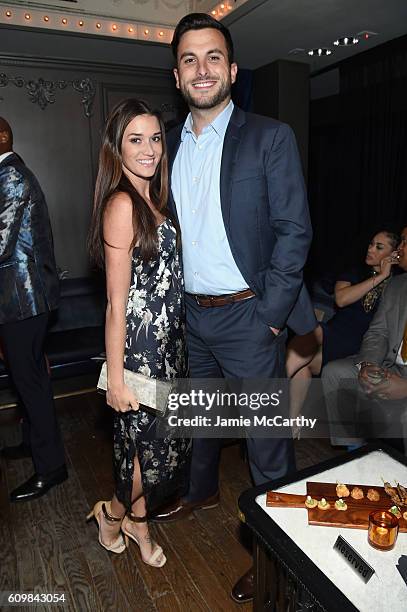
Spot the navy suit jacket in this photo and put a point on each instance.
(265, 213)
(29, 282)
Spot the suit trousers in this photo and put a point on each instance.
(231, 341)
(353, 416)
(23, 343)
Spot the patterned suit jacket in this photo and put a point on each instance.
(29, 282)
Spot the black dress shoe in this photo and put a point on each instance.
(243, 590)
(38, 485)
(21, 451)
(181, 509)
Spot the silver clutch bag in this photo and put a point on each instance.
(150, 392)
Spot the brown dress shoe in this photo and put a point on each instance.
(243, 591)
(180, 509)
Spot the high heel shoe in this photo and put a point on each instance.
(154, 559)
(120, 544)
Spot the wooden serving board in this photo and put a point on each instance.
(355, 517)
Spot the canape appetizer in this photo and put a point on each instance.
(398, 494)
(340, 505)
(310, 502)
(394, 510)
(373, 495)
(357, 493)
(323, 504)
(342, 490)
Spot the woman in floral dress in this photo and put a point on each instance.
(133, 237)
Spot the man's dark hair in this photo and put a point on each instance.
(200, 21)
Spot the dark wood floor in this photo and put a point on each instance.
(46, 545)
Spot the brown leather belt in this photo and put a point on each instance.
(210, 301)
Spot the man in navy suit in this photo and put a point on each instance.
(29, 290)
(238, 192)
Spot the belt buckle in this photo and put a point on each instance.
(206, 297)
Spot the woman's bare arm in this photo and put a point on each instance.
(346, 294)
(118, 236)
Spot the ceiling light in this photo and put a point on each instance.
(346, 41)
(366, 34)
(103, 26)
(320, 52)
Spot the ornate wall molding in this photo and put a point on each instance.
(42, 92)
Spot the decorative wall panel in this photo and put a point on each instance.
(57, 109)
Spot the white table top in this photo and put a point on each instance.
(386, 590)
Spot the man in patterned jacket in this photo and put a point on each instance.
(29, 291)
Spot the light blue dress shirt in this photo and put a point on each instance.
(209, 267)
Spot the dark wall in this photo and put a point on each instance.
(281, 90)
(57, 105)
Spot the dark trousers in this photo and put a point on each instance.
(231, 341)
(23, 343)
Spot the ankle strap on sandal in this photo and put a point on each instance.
(137, 519)
(108, 516)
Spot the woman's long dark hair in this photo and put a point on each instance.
(111, 179)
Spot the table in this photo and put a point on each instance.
(296, 567)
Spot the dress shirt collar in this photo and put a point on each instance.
(4, 155)
(218, 125)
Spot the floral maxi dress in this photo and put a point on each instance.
(155, 347)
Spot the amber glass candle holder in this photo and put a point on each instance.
(383, 529)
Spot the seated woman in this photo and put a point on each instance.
(357, 295)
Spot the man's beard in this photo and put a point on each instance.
(207, 102)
